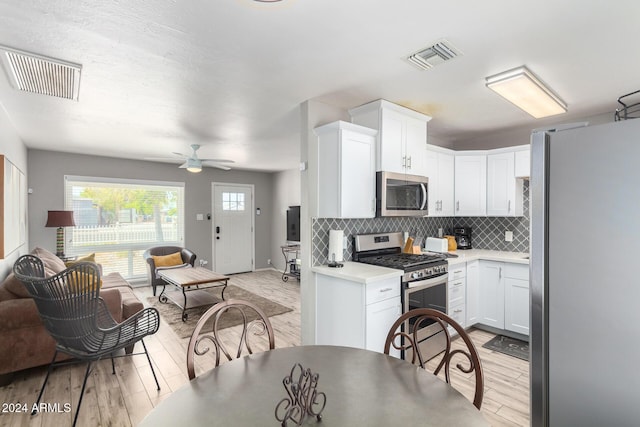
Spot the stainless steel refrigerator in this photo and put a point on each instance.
(585, 276)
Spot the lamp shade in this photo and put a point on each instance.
(60, 219)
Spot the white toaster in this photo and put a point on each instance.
(433, 244)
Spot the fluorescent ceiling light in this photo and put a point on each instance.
(520, 87)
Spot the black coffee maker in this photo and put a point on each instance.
(463, 237)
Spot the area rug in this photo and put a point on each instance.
(172, 314)
(510, 346)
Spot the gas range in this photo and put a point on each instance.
(385, 250)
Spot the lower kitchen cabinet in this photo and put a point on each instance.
(473, 293)
(456, 296)
(354, 314)
(492, 294)
(516, 298)
(498, 295)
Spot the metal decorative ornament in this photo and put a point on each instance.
(303, 399)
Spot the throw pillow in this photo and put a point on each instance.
(52, 264)
(81, 283)
(167, 260)
(88, 258)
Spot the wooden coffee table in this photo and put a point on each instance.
(191, 282)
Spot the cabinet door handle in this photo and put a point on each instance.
(404, 161)
(500, 273)
(386, 290)
(409, 162)
(509, 206)
(458, 205)
(457, 311)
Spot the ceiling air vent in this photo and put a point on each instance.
(431, 56)
(42, 75)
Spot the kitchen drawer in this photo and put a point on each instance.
(458, 271)
(456, 292)
(382, 290)
(458, 313)
(516, 271)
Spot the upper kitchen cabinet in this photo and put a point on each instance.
(504, 191)
(523, 161)
(440, 171)
(346, 171)
(470, 183)
(402, 136)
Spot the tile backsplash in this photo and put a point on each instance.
(487, 232)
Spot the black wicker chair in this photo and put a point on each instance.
(73, 313)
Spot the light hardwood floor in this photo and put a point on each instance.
(125, 398)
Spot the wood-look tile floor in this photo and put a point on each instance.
(125, 398)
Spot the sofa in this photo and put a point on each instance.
(24, 342)
(186, 257)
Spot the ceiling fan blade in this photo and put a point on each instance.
(162, 159)
(224, 168)
(184, 156)
(217, 160)
(184, 165)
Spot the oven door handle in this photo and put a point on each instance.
(424, 196)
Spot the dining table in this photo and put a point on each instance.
(361, 388)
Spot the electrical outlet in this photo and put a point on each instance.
(344, 242)
(508, 236)
(269, 261)
(203, 262)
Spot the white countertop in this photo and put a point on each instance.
(474, 254)
(366, 273)
(358, 272)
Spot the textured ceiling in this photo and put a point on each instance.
(230, 75)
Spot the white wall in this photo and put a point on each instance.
(286, 192)
(14, 149)
(312, 115)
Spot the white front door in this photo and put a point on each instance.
(233, 236)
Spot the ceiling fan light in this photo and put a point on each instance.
(194, 165)
(521, 87)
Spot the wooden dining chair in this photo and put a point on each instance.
(404, 340)
(254, 323)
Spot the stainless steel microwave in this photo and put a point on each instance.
(398, 194)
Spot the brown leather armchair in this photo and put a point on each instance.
(188, 257)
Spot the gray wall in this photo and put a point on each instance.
(14, 149)
(46, 177)
(286, 192)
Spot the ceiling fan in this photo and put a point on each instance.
(194, 164)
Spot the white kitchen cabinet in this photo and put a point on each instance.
(504, 192)
(355, 314)
(523, 163)
(456, 295)
(492, 294)
(402, 138)
(470, 184)
(440, 171)
(346, 171)
(473, 293)
(516, 302)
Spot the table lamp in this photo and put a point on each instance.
(60, 219)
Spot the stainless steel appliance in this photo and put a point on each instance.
(463, 237)
(424, 283)
(584, 300)
(399, 194)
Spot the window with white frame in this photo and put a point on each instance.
(118, 219)
(232, 201)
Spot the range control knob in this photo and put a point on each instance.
(415, 275)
